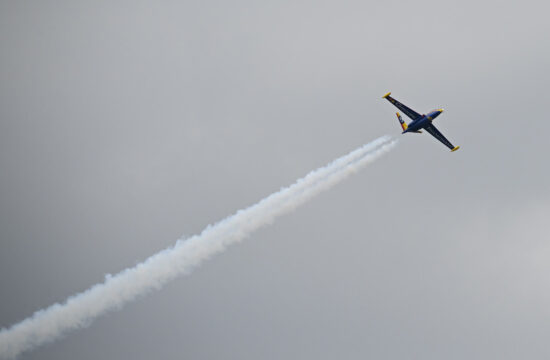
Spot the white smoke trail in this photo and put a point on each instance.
(81, 309)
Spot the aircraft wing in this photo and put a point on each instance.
(439, 136)
(406, 110)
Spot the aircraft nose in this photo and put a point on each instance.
(440, 110)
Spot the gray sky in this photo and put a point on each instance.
(124, 126)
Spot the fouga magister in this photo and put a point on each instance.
(420, 122)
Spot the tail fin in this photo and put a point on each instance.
(403, 124)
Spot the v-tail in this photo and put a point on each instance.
(404, 125)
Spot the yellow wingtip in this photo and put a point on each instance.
(385, 96)
(455, 149)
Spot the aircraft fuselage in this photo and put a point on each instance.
(424, 121)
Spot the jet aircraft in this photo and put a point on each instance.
(420, 122)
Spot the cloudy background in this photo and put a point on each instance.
(125, 125)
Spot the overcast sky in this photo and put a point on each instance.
(125, 125)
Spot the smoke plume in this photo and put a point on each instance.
(115, 291)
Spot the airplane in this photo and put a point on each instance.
(420, 122)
